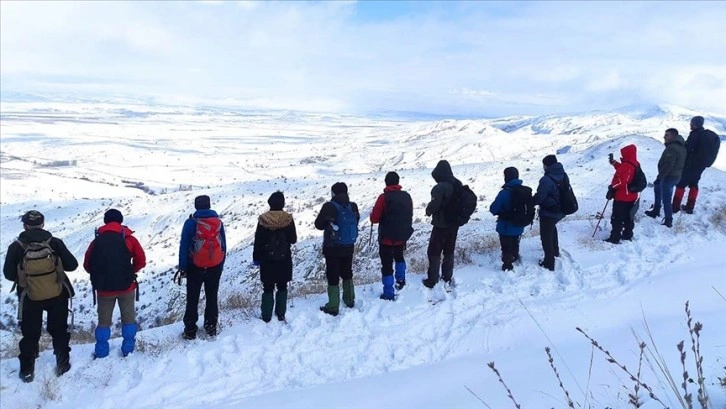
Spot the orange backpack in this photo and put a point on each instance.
(207, 243)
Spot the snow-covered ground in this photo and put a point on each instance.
(423, 350)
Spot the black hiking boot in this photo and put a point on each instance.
(189, 335)
(63, 364)
(332, 312)
(387, 297)
(667, 223)
(211, 330)
(543, 265)
(612, 240)
(27, 370)
(507, 267)
(400, 285)
(653, 212)
(280, 317)
(428, 283)
(687, 209)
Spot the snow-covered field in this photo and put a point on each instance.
(73, 161)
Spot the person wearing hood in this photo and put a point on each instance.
(394, 213)
(509, 233)
(670, 168)
(338, 219)
(445, 227)
(271, 251)
(550, 213)
(202, 252)
(43, 295)
(700, 155)
(623, 199)
(113, 259)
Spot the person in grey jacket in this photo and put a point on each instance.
(670, 168)
(445, 230)
(548, 200)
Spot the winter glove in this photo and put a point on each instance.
(179, 276)
(611, 193)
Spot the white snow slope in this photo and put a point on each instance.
(428, 349)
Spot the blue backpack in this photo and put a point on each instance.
(347, 226)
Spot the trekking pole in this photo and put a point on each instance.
(600, 217)
(370, 237)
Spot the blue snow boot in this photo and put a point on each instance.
(400, 275)
(388, 293)
(103, 334)
(128, 332)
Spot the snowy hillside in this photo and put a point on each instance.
(73, 161)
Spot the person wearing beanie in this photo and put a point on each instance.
(393, 212)
(113, 259)
(548, 200)
(271, 252)
(445, 230)
(702, 147)
(624, 201)
(202, 251)
(502, 207)
(52, 296)
(670, 169)
(338, 219)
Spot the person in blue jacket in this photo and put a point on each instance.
(509, 234)
(548, 200)
(202, 251)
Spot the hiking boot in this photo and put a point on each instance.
(687, 209)
(329, 311)
(428, 283)
(543, 265)
(189, 335)
(280, 317)
(63, 364)
(27, 370)
(210, 329)
(400, 285)
(612, 240)
(387, 297)
(653, 212)
(667, 223)
(507, 267)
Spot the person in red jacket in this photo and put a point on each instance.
(624, 200)
(394, 213)
(113, 259)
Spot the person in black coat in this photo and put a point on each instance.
(339, 219)
(547, 198)
(271, 251)
(31, 311)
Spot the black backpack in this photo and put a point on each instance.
(521, 212)
(568, 201)
(110, 262)
(277, 248)
(461, 205)
(710, 144)
(639, 182)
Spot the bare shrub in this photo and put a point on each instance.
(718, 219)
(49, 388)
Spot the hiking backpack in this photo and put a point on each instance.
(277, 247)
(110, 262)
(710, 145)
(207, 242)
(397, 220)
(39, 271)
(567, 199)
(521, 212)
(461, 205)
(639, 182)
(345, 229)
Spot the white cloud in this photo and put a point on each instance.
(527, 56)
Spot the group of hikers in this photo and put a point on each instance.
(37, 261)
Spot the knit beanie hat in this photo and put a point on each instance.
(549, 160)
(391, 178)
(33, 218)
(113, 215)
(276, 201)
(202, 203)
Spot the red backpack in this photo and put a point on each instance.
(207, 244)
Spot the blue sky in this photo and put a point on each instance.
(465, 59)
